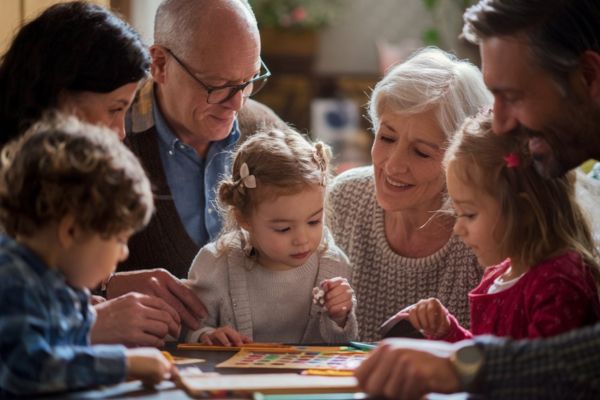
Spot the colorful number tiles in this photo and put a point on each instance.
(303, 360)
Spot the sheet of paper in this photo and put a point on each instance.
(267, 383)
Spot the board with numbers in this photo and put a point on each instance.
(342, 361)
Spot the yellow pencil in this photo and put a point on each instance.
(327, 372)
(261, 347)
(168, 356)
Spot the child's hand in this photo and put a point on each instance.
(224, 336)
(430, 317)
(149, 365)
(338, 299)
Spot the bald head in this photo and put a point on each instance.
(184, 25)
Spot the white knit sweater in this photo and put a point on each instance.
(385, 282)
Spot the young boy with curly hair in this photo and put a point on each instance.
(70, 196)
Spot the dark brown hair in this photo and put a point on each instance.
(558, 31)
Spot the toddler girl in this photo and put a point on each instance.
(543, 267)
(257, 279)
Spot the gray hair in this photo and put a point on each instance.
(177, 21)
(431, 79)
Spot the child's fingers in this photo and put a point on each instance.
(433, 312)
(339, 296)
(443, 324)
(421, 315)
(246, 339)
(339, 308)
(235, 337)
(329, 284)
(205, 339)
(343, 289)
(221, 336)
(413, 318)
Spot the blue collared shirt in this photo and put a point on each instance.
(45, 328)
(193, 180)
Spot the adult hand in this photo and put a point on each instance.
(162, 284)
(430, 317)
(135, 319)
(398, 372)
(96, 299)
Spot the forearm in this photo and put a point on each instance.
(565, 366)
(46, 369)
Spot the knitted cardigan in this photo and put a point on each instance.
(220, 279)
(384, 281)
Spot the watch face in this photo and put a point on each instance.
(470, 355)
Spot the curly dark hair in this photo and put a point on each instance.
(74, 46)
(61, 167)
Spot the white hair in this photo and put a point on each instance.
(431, 79)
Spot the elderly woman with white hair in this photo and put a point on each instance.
(384, 216)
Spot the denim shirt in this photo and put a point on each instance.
(193, 180)
(45, 330)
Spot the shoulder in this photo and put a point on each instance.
(255, 116)
(140, 118)
(566, 266)
(332, 251)
(211, 260)
(353, 187)
(360, 177)
(18, 276)
(334, 257)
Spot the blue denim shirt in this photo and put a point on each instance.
(193, 180)
(45, 328)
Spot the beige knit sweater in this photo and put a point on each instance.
(385, 282)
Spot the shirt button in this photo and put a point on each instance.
(182, 146)
(171, 152)
(210, 210)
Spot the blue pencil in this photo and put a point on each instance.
(363, 346)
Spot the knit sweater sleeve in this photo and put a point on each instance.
(208, 279)
(457, 332)
(334, 263)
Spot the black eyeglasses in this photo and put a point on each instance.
(220, 94)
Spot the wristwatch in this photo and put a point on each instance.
(468, 362)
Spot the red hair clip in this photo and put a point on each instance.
(512, 160)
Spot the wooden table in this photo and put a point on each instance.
(165, 390)
(168, 391)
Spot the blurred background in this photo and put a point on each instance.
(325, 55)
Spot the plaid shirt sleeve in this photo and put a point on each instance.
(44, 335)
(565, 366)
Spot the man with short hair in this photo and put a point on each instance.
(541, 60)
(183, 126)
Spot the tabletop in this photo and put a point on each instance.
(168, 390)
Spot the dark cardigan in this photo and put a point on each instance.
(164, 243)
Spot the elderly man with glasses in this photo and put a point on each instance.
(183, 126)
